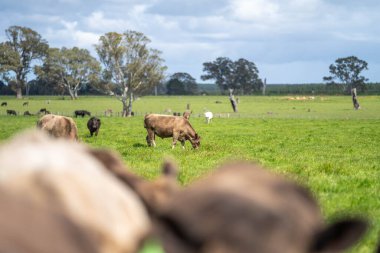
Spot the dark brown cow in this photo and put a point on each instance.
(242, 208)
(11, 112)
(93, 125)
(81, 113)
(166, 126)
(58, 126)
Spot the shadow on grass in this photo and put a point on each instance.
(139, 145)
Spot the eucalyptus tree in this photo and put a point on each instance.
(130, 64)
(18, 54)
(181, 83)
(348, 73)
(242, 75)
(70, 68)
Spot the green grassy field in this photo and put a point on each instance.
(322, 143)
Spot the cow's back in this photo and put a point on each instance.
(163, 125)
(59, 126)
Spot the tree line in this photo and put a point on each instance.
(127, 66)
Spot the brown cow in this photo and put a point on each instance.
(58, 126)
(27, 227)
(243, 208)
(170, 126)
(68, 177)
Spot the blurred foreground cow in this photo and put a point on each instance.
(242, 208)
(93, 125)
(71, 180)
(58, 126)
(166, 126)
(27, 227)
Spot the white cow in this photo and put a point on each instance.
(208, 116)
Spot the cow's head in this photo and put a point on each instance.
(196, 141)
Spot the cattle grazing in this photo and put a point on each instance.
(108, 112)
(93, 125)
(43, 111)
(186, 115)
(68, 177)
(166, 126)
(11, 112)
(27, 113)
(243, 208)
(25, 104)
(58, 126)
(4, 104)
(208, 115)
(81, 113)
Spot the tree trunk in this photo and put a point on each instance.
(19, 93)
(264, 86)
(355, 99)
(76, 94)
(129, 110)
(125, 108)
(71, 92)
(233, 101)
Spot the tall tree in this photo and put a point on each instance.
(70, 68)
(221, 70)
(246, 77)
(182, 83)
(17, 55)
(347, 71)
(130, 63)
(242, 75)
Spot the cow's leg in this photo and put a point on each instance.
(96, 132)
(175, 139)
(150, 138)
(183, 144)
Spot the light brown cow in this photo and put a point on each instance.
(243, 208)
(26, 227)
(166, 126)
(69, 177)
(58, 126)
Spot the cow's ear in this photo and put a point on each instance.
(339, 236)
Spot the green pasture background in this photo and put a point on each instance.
(322, 142)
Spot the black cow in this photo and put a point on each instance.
(93, 124)
(11, 112)
(81, 113)
(44, 111)
(27, 113)
(4, 104)
(25, 104)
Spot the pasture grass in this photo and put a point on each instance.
(322, 143)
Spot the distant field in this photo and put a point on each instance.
(322, 143)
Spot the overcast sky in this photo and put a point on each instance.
(290, 41)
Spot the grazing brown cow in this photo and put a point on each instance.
(170, 126)
(70, 178)
(58, 126)
(242, 208)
